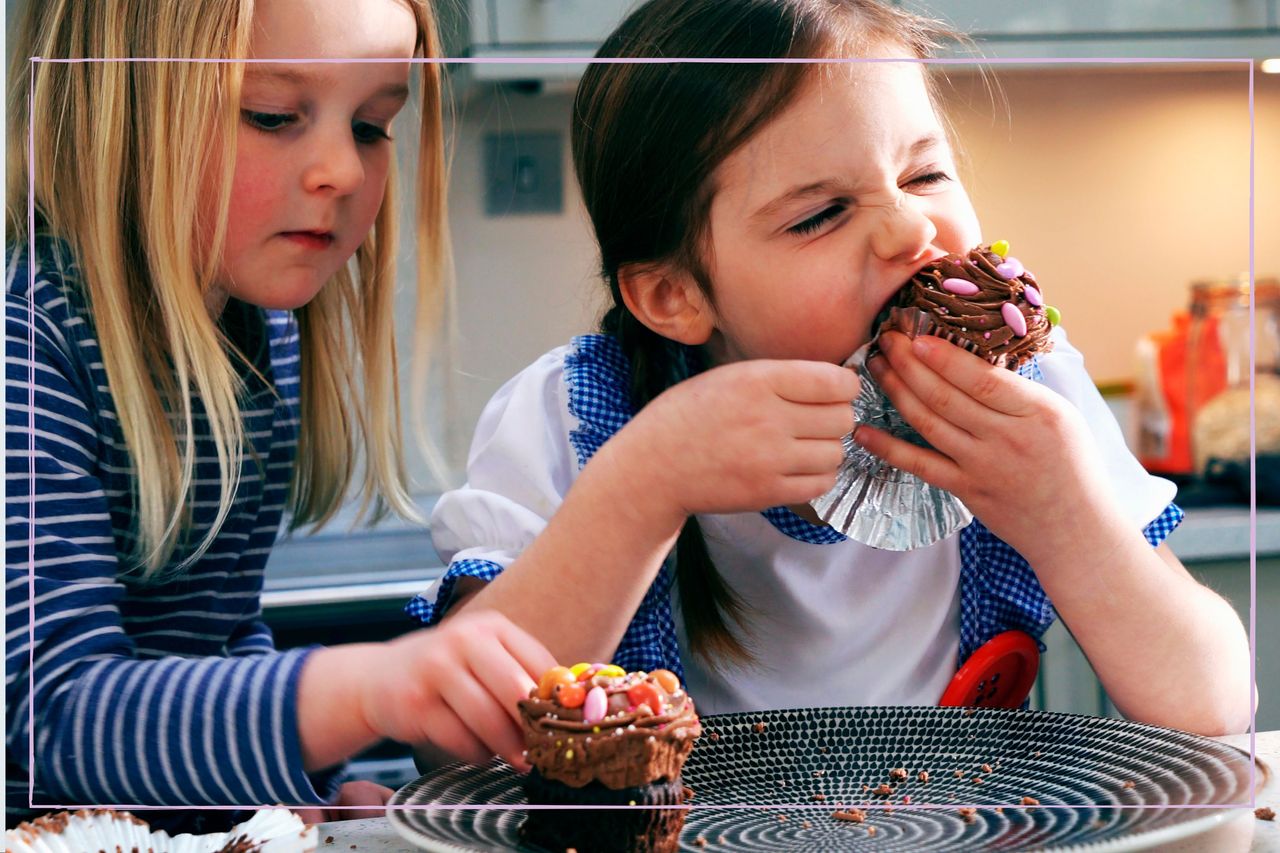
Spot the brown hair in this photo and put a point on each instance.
(647, 138)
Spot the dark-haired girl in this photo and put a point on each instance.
(640, 494)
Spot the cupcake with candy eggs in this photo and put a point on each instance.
(985, 301)
(597, 735)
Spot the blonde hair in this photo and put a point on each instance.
(118, 179)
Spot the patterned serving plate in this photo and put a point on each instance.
(773, 781)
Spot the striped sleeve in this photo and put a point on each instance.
(251, 637)
(108, 726)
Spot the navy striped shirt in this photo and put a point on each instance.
(168, 692)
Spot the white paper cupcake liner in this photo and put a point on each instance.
(873, 502)
(268, 831)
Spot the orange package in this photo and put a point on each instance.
(1176, 377)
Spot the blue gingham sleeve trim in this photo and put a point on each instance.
(1164, 524)
(430, 612)
(597, 374)
(999, 591)
(598, 378)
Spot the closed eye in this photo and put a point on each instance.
(369, 133)
(930, 179)
(268, 122)
(813, 223)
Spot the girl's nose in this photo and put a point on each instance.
(335, 165)
(903, 233)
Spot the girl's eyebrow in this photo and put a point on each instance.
(835, 185)
(300, 77)
(817, 188)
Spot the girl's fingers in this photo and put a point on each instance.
(820, 420)
(929, 465)
(484, 716)
(442, 726)
(811, 381)
(937, 427)
(996, 388)
(501, 675)
(814, 456)
(805, 487)
(525, 648)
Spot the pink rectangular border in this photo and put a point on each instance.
(1253, 545)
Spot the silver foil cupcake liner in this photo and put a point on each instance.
(873, 502)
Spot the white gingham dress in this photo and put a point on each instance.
(834, 621)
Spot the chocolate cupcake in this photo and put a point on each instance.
(984, 301)
(599, 736)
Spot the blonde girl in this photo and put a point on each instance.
(200, 340)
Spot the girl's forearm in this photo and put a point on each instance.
(1168, 650)
(578, 585)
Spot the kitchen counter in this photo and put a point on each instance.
(1222, 533)
(1245, 834)
(338, 566)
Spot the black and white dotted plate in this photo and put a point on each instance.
(1102, 785)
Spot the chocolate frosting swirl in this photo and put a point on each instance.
(975, 321)
(628, 748)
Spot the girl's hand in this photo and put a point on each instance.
(1018, 455)
(456, 686)
(742, 437)
(350, 797)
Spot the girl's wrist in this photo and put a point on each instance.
(1079, 542)
(641, 485)
(336, 677)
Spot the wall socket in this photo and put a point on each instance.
(523, 174)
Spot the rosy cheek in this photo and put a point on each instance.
(254, 196)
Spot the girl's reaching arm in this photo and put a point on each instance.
(741, 437)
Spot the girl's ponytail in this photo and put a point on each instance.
(707, 603)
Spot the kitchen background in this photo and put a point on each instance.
(1118, 184)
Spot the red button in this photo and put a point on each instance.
(998, 675)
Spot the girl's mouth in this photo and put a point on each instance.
(310, 239)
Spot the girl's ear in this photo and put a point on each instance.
(667, 301)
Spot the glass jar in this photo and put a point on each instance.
(1218, 398)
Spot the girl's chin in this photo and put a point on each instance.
(284, 294)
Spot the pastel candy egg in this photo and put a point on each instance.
(1033, 295)
(666, 679)
(552, 677)
(1013, 317)
(591, 670)
(1054, 315)
(595, 705)
(610, 670)
(1000, 247)
(645, 693)
(578, 668)
(959, 286)
(571, 695)
(1011, 268)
